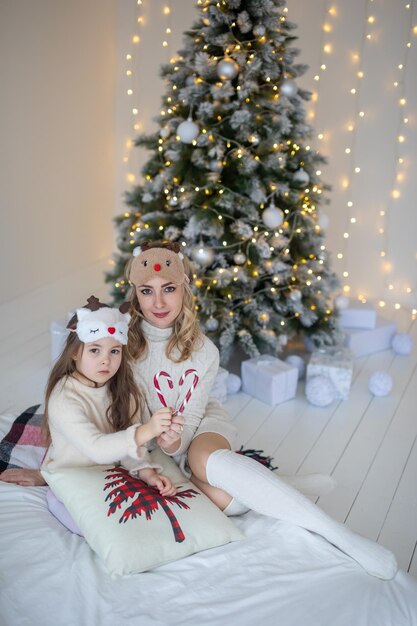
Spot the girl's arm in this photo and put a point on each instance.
(75, 435)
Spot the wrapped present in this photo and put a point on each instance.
(357, 315)
(336, 363)
(59, 333)
(269, 379)
(219, 389)
(363, 341)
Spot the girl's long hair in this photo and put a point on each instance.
(126, 398)
(186, 335)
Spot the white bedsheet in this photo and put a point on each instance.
(278, 575)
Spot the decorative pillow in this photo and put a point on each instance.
(24, 445)
(130, 525)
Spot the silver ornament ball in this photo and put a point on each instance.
(272, 217)
(212, 324)
(239, 258)
(301, 177)
(227, 69)
(288, 88)
(188, 131)
(202, 255)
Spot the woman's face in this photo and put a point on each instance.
(160, 301)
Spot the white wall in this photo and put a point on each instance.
(364, 36)
(57, 68)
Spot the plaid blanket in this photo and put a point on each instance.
(24, 446)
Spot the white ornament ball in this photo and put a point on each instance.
(203, 255)
(288, 88)
(233, 384)
(298, 362)
(272, 217)
(295, 295)
(190, 80)
(212, 324)
(227, 69)
(188, 131)
(380, 383)
(301, 177)
(341, 302)
(320, 391)
(165, 131)
(239, 258)
(323, 221)
(402, 344)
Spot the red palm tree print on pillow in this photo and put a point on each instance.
(145, 499)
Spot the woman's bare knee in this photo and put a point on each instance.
(200, 449)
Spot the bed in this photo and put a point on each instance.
(277, 574)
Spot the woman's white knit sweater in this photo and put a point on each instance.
(206, 363)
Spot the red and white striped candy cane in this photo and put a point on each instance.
(190, 390)
(158, 388)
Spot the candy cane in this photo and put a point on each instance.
(190, 390)
(158, 388)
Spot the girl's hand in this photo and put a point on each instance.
(159, 423)
(167, 440)
(24, 477)
(162, 483)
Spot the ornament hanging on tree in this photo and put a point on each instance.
(188, 131)
(239, 258)
(227, 69)
(301, 177)
(202, 255)
(272, 216)
(288, 88)
(212, 324)
(295, 295)
(165, 132)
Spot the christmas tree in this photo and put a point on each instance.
(232, 177)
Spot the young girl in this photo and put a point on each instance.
(93, 407)
(176, 366)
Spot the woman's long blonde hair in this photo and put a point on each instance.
(126, 398)
(186, 333)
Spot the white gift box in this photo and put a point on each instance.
(367, 341)
(219, 389)
(335, 363)
(357, 315)
(59, 333)
(268, 379)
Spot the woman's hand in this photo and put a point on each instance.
(24, 477)
(167, 440)
(162, 483)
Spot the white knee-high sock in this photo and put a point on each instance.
(310, 484)
(261, 490)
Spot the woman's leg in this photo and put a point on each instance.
(264, 492)
(198, 453)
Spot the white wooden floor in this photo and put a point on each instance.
(368, 444)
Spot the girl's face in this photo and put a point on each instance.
(99, 360)
(160, 301)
